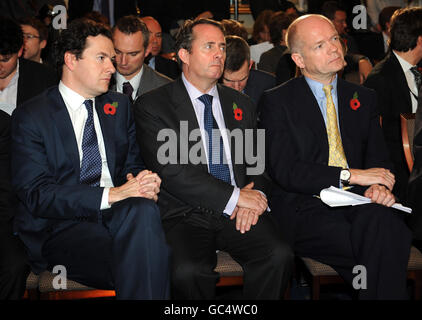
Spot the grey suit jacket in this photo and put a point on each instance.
(150, 80)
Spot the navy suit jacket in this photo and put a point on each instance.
(46, 165)
(258, 82)
(297, 144)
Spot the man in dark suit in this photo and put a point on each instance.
(395, 80)
(133, 76)
(86, 199)
(322, 131)
(157, 62)
(20, 79)
(210, 200)
(14, 268)
(237, 70)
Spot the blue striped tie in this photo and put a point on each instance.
(218, 167)
(91, 158)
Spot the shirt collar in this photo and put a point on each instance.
(134, 82)
(316, 87)
(194, 93)
(404, 64)
(72, 99)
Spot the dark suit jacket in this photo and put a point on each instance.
(297, 144)
(7, 202)
(269, 59)
(46, 165)
(258, 82)
(150, 79)
(388, 80)
(33, 79)
(189, 187)
(167, 67)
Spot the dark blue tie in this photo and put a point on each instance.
(218, 167)
(91, 158)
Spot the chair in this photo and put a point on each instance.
(323, 274)
(407, 122)
(231, 274)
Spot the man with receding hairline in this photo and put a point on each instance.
(322, 131)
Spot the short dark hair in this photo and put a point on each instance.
(385, 16)
(185, 37)
(406, 27)
(237, 52)
(37, 25)
(132, 24)
(329, 9)
(279, 21)
(234, 28)
(73, 39)
(11, 36)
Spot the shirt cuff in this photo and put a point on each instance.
(231, 205)
(104, 199)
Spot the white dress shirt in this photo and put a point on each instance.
(78, 115)
(411, 83)
(134, 82)
(199, 107)
(9, 95)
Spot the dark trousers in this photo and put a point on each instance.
(267, 261)
(371, 235)
(14, 268)
(127, 252)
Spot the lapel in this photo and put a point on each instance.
(226, 101)
(64, 126)
(145, 81)
(400, 83)
(344, 94)
(185, 112)
(308, 108)
(107, 123)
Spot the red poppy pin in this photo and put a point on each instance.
(110, 108)
(355, 103)
(238, 113)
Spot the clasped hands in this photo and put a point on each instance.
(381, 182)
(250, 206)
(146, 185)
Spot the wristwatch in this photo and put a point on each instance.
(345, 176)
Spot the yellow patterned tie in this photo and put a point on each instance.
(337, 157)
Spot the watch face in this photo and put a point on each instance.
(345, 175)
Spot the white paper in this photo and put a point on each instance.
(335, 197)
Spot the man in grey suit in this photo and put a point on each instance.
(133, 77)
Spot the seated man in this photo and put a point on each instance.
(215, 200)
(160, 64)
(133, 76)
(14, 268)
(86, 200)
(237, 70)
(20, 79)
(322, 131)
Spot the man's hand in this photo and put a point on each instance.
(245, 218)
(381, 195)
(145, 185)
(372, 176)
(252, 199)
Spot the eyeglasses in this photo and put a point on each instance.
(30, 36)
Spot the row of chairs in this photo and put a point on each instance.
(231, 273)
(40, 287)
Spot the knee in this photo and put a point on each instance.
(184, 273)
(146, 210)
(282, 256)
